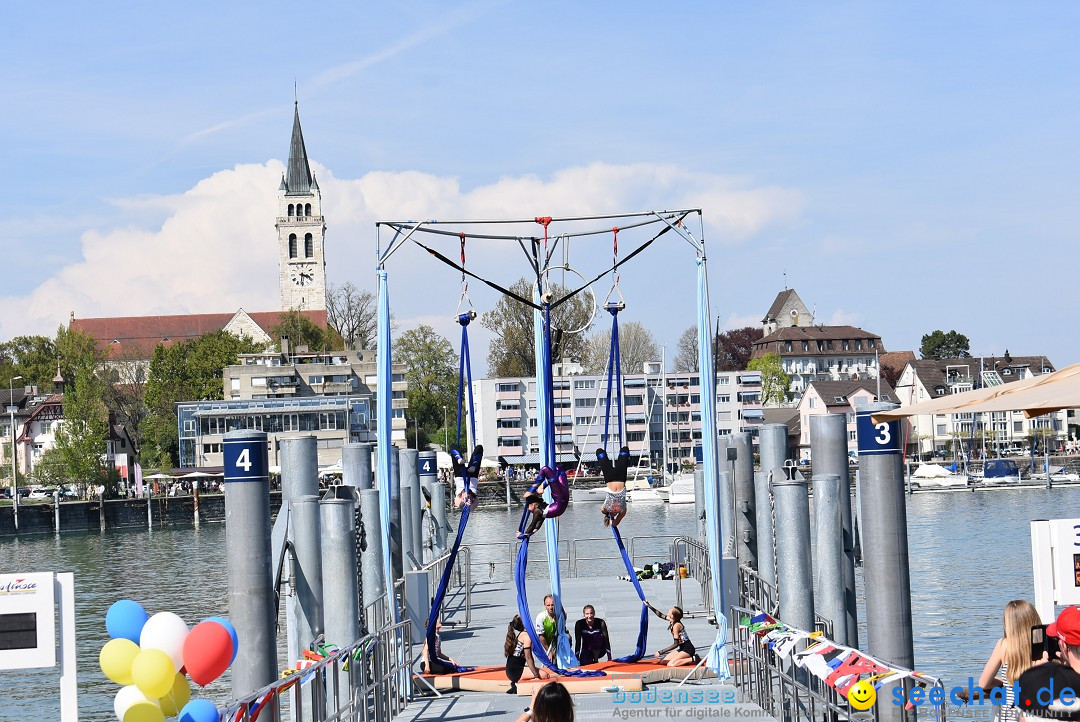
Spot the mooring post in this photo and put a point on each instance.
(247, 556)
(745, 521)
(438, 515)
(341, 614)
(410, 478)
(306, 531)
(727, 513)
(699, 501)
(299, 478)
(883, 524)
(428, 466)
(772, 442)
(397, 540)
(356, 465)
(829, 450)
(149, 510)
(829, 554)
(795, 582)
(371, 558)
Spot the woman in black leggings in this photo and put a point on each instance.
(518, 650)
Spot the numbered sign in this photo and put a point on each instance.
(881, 438)
(245, 459)
(427, 465)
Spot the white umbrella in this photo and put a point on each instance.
(198, 475)
(488, 464)
(159, 476)
(443, 460)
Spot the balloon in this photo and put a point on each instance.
(144, 712)
(208, 650)
(153, 672)
(199, 710)
(116, 659)
(125, 620)
(178, 696)
(125, 698)
(165, 631)
(232, 632)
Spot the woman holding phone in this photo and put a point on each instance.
(1012, 654)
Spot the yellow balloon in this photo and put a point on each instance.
(144, 712)
(178, 696)
(153, 673)
(116, 659)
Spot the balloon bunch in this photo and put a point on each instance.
(152, 657)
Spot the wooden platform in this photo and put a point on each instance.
(629, 677)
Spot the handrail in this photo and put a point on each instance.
(695, 556)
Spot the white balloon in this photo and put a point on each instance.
(128, 696)
(165, 631)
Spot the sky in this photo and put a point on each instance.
(904, 166)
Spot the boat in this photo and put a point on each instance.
(679, 491)
(1000, 471)
(1058, 475)
(934, 476)
(641, 490)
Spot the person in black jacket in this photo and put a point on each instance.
(591, 640)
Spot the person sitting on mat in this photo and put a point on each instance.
(438, 663)
(591, 637)
(466, 476)
(681, 651)
(614, 508)
(518, 651)
(548, 478)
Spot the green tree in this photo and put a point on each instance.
(80, 437)
(774, 382)
(512, 351)
(939, 345)
(302, 332)
(686, 352)
(32, 357)
(431, 372)
(636, 347)
(189, 371)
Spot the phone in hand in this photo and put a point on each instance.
(1042, 642)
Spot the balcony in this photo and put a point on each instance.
(399, 403)
(337, 387)
(508, 413)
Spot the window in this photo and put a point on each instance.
(805, 345)
(838, 399)
(316, 380)
(533, 423)
(858, 344)
(509, 423)
(584, 420)
(851, 436)
(290, 209)
(1018, 427)
(584, 403)
(724, 398)
(787, 345)
(290, 422)
(940, 430)
(506, 388)
(234, 384)
(258, 381)
(307, 209)
(871, 344)
(309, 246)
(722, 381)
(584, 383)
(811, 402)
(292, 245)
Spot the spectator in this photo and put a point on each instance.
(438, 663)
(1050, 689)
(591, 640)
(1012, 654)
(551, 703)
(546, 624)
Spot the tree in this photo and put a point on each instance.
(189, 371)
(302, 332)
(774, 382)
(512, 352)
(32, 357)
(125, 395)
(353, 314)
(735, 346)
(636, 347)
(939, 345)
(686, 351)
(431, 372)
(80, 437)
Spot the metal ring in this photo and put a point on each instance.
(588, 290)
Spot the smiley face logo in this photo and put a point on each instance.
(862, 696)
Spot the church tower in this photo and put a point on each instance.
(301, 231)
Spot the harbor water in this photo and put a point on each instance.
(970, 554)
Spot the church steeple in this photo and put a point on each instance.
(298, 174)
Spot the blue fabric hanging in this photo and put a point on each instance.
(643, 627)
(464, 379)
(382, 432)
(527, 621)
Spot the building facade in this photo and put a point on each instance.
(822, 353)
(837, 397)
(975, 434)
(661, 415)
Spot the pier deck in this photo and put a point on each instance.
(493, 606)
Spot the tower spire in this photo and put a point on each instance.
(298, 172)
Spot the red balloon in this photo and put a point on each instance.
(208, 650)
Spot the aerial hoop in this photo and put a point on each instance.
(588, 292)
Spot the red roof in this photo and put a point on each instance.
(136, 337)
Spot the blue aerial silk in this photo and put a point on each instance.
(523, 610)
(643, 628)
(384, 406)
(717, 658)
(464, 379)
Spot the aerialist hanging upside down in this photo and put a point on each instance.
(614, 508)
(466, 476)
(554, 479)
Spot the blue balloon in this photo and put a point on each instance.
(232, 633)
(199, 710)
(125, 620)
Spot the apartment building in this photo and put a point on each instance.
(822, 353)
(838, 397)
(660, 412)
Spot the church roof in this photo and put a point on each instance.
(136, 337)
(778, 304)
(298, 173)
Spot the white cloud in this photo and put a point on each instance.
(841, 317)
(735, 320)
(216, 247)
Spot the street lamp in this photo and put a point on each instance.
(14, 478)
(416, 430)
(445, 431)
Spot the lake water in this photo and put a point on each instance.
(970, 554)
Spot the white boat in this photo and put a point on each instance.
(679, 491)
(933, 476)
(1058, 474)
(999, 471)
(640, 490)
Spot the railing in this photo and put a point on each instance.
(790, 693)
(695, 556)
(460, 577)
(367, 681)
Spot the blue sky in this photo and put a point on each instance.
(911, 166)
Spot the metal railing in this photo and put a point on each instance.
(693, 554)
(790, 693)
(368, 681)
(459, 588)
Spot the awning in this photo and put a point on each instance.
(1035, 397)
(264, 410)
(529, 459)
